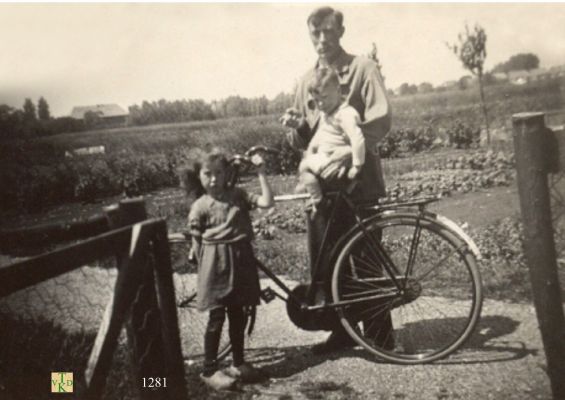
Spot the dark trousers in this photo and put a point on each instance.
(213, 334)
(377, 327)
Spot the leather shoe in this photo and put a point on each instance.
(337, 341)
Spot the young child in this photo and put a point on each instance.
(338, 131)
(228, 280)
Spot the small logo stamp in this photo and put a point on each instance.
(61, 382)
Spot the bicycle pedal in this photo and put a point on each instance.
(267, 295)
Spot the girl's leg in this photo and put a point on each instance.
(212, 337)
(236, 316)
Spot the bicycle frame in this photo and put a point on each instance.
(373, 207)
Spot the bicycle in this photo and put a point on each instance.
(398, 259)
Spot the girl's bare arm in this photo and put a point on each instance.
(266, 200)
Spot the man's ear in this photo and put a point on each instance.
(341, 31)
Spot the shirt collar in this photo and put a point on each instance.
(342, 62)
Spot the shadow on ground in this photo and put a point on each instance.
(283, 363)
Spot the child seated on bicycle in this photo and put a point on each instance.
(338, 131)
(221, 230)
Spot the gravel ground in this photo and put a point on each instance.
(504, 359)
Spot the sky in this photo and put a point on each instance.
(85, 54)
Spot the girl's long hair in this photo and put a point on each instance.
(189, 174)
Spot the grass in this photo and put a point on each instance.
(438, 109)
(32, 349)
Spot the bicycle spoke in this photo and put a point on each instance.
(435, 296)
(435, 267)
(413, 250)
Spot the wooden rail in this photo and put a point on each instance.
(143, 299)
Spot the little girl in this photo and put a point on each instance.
(228, 280)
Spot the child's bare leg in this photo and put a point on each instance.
(312, 185)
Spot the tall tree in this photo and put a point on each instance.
(43, 109)
(518, 62)
(29, 110)
(472, 52)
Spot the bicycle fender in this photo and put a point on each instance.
(457, 229)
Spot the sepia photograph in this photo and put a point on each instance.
(344, 201)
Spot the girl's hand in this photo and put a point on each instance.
(258, 162)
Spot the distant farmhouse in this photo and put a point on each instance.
(110, 115)
(538, 74)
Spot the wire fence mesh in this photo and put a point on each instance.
(51, 327)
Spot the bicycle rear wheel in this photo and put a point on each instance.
(436, 300)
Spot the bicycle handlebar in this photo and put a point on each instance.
(250, 152)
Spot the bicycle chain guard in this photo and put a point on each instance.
(309, 320)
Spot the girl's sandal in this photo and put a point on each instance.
(246, 373)
(219, 381)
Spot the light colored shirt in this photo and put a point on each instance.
(363, 89)
(341, 128)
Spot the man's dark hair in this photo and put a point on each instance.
(318, 15)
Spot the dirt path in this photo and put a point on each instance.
(504, 359)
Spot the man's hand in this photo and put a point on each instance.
(292, 118)
(353, 172)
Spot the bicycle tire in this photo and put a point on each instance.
(442, 297)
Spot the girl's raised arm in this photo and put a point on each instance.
(266, 200)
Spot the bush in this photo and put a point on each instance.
(462, 136)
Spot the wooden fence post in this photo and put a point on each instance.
(143, 326)
(532, 153)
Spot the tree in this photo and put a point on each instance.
(43, 110)
(29, 110)
(92, 119)
(472, 53)
(407, 88)
(425, 87)
(518, 62)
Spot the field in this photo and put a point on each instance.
(36, 174)
(477, 186)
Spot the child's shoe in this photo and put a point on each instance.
(219, 381)
(246, 373)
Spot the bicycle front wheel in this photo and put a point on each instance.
(415, 297)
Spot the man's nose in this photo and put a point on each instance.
(323, 38)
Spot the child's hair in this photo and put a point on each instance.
(321, 79)
(189, 173)
(216, 157)
(190, 182)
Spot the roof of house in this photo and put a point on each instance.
(104, 110)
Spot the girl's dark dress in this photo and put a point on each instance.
(227, 274)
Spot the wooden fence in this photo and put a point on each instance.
(143, 299)
(540, 152)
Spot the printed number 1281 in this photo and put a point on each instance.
(154, 382)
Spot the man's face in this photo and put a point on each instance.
(325, 37)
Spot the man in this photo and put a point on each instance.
(362, 88)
